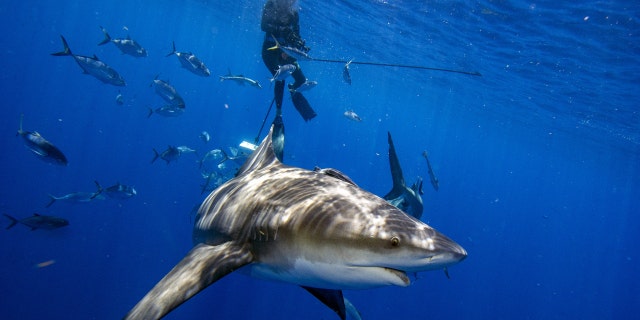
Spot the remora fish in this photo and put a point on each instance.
(117, 191)
(291, 51)
(405, 198)
(432, 176)
(241, 80)
(190, 62)
(127, 46)
(39, 222)
(93, 66)
(168, 93)
(44, 149)
(170, 154)
(345, 72)
(283, 72)
(352, 115)
(288, 224)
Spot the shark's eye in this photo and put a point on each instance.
(395, 241)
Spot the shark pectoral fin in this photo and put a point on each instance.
(202, 266)
(331, 298)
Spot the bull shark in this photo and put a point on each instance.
(315, 229)
(405, 198)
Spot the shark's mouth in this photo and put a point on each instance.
(399, 274)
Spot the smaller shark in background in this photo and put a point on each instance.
(127, 46)
(432, 176)
(190, 62)
(93, 66)
(404, 198)
(41, 146)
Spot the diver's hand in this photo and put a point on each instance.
(300, 44)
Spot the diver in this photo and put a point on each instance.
(280, 22)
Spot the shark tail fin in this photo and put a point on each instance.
(173, 51)
(14, 221)
(53, 199)
(149, 113)
(66, 51)
(107, 37)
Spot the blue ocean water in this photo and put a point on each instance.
(538, 159)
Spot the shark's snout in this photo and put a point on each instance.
(436, 251)
(449, 251)
(448, 245)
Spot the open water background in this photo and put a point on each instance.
(538, 159)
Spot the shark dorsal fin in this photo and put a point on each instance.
(394, 163)
(262, 157)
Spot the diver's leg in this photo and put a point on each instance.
(271, 59)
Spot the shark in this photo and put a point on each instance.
(407, 199)
(315, 229)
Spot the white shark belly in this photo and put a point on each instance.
(319, 274)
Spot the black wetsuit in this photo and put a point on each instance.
(284, 26)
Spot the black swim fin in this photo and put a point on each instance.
(303, 107)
